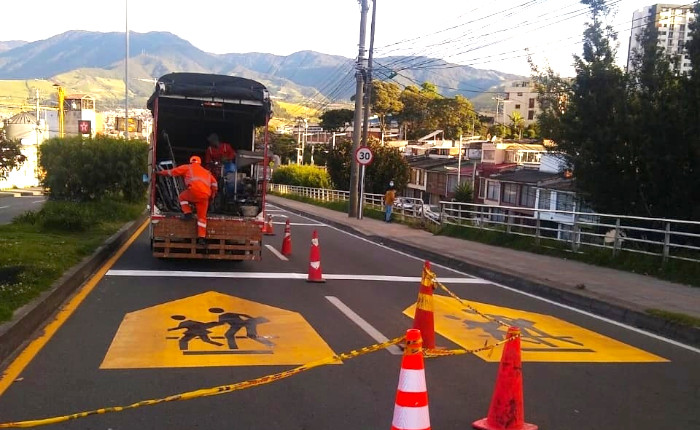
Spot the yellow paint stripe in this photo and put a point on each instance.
(27, 355)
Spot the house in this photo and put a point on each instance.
(417, 186)
(524, 154)
(545, 194)
(521, 97)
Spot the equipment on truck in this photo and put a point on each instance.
(186, 108)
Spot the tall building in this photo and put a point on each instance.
(521, 96)
(672, 22)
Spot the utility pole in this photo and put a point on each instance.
(368, 83)
(357, 121)
(459, 162)
(300, 147)
(126, 71)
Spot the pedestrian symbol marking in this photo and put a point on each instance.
(213, 329)
(544, 338)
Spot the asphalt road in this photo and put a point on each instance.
(69, 374)
(10, 207)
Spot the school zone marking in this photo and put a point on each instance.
(213, 329)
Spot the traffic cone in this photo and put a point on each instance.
(507, 408)
(268, 229)
(411, 407)
(424, 319)
(287, 241)
(315, 273)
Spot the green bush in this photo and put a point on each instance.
(303, 176)
(80, 169)
(63, 216)
(464, 192)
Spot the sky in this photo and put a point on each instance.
(483, 34)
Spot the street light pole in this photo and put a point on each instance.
(357, 121)
(126, 71)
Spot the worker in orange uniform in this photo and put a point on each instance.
(201, 188)
(218, 152)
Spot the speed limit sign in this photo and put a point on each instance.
(364, 155)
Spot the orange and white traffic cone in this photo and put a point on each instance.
(315, 273)
(507, 410)
(268, 229)
(424, 319)
(287, 241)
(411, 407)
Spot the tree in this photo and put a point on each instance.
(385, 100)
(517, 122)
(10, 156)
(454, 116)
(414, 115)
(388, 165)
(336, 119)
(284, 145)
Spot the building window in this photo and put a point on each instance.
(545, 198)
(530, 115)
(528, 196)
(482, 187)
(489, 155)
(510, 194)
(520, 94)
(565, 202)
(517, 106)
(492, 190)
(531, 104)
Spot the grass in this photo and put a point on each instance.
(684, 272)
(675, 317)
(38, 247)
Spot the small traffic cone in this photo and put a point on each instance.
(411, 407)
(507, 408)
(287, 241)
(268, 229)
(424, 319)
(315, 273)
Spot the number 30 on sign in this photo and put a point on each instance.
(364, 155)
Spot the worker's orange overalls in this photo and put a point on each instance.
(201, 185)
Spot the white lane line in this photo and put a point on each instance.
(277, 275)
(38, 201)
(364, 325)
(300, 223)
(276, 252)
(542, 299)
(4, 207)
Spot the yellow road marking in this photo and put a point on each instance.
(27, 355)
(544, 337)
(213, 329)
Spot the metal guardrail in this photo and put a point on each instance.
(667, 238)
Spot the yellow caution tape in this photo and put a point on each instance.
(433, 276)
(206, 392)
(431, 353)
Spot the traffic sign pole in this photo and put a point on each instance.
(363, 156)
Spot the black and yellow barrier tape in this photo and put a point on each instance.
(434, 279)
(206, 392)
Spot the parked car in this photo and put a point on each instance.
(431, 211)
(403, 203)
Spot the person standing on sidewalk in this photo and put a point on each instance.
(389, 198)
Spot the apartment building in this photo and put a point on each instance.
(672, 21)
(521, 96)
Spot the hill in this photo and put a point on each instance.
(93, 62)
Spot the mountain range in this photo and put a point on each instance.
(94, 62)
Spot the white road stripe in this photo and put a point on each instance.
(301, 223)
(542, 299)
(277, 275)
(4, 207)
(276, 252)
(38, 201)
(364, 325)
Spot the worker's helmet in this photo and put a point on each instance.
(195, 160)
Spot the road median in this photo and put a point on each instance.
(619, 296)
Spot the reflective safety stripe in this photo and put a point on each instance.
(412, 381)
(184, 202)
(411, 418)
(202, 224)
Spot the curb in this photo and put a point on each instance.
(685, 334)
(32, 316)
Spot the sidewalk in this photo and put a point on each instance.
(625, 290)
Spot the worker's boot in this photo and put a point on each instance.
(201, 241)
(187, 217)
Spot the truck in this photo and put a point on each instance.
(187, 108)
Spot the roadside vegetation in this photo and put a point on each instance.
(94, 188)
